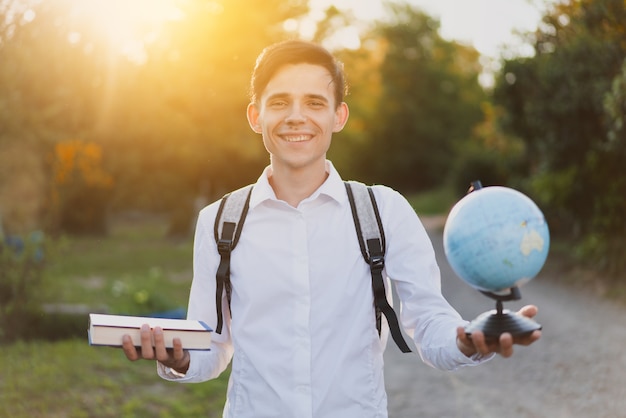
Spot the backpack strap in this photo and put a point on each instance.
(227, 230)
(369, 230)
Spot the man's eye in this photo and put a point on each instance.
(278, 104)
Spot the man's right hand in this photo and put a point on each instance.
(175, 358)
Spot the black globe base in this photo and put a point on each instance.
(494, 323)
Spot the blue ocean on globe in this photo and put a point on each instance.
(496, 238)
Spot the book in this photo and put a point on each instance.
(108, 330)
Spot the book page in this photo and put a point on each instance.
(123, 321)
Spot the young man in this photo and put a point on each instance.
(302, 337)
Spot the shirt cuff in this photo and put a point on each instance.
(476, 358)
(170, 374)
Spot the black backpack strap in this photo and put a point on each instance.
(227, 230)
(371, 236)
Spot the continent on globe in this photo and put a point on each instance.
(532, 241)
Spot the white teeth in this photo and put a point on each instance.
(298, 138)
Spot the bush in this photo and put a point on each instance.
(22, 262)
(81, 188)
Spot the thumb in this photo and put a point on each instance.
(528, 311)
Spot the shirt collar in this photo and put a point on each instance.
(332, 187)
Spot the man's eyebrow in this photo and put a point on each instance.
(286, 95)
(277, 96)
(317, 97)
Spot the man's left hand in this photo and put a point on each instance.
(477, 343)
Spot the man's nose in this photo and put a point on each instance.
(295, 115)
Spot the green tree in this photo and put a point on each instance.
(429, 101)
(166, 104)
(489, 155)
(566, 103)
(193, 91)
(46, 95)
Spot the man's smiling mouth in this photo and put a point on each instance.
(296, 138)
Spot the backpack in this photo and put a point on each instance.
(230, 219)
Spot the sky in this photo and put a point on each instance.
(485, 24)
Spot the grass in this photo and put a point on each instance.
(135, 269)
(71, 379)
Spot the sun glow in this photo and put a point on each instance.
(127, 25)
(485, 24)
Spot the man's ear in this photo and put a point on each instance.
(341, 116)
(254, 118)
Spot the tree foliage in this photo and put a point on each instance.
(427, 100)
(567, 103)
(80, 188)
(167, 104)
(165, 101)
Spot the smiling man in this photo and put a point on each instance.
(297, 113)
(300, 328)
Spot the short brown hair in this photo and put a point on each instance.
(276, 56)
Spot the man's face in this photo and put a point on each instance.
(297, 115)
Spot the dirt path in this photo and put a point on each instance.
(577, 369)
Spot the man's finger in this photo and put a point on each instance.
(147, 351)
(179, 353)
(460, 333)
(129, 348)
(528, 339)
(529, 311)
(478, 338)
(159, 345)
(506, 345)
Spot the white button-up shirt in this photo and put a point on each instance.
(303, 338)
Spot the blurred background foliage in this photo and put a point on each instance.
(98, 116)
(567, 104)
(117, 114)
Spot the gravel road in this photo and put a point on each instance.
(577, 369)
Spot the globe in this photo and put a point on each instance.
(496, 238)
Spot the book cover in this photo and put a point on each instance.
(108, 330)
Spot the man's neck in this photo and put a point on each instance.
(293, 186)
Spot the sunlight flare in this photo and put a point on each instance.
(129, 25)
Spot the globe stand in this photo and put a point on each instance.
(496, 322)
